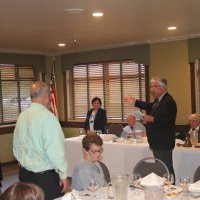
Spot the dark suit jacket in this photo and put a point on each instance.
(100, 120)
(161, 133)
(184, 132)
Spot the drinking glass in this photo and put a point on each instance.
(168, 180)
(135, 180)
(81, 131)
(184, 183)
(93, 187)
(99, 132)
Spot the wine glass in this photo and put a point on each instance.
(184, 183)
(168, 180)
(135, 180)
(92, 187)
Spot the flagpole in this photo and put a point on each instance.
(53, 90)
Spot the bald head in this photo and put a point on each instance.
(40, 93)
(38, 89)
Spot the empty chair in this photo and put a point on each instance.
(149, 165)
(196, 175)
(105, 171)
(115, 129)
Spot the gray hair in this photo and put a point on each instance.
(160, 81)
(38, 89)
(130, 115)
(195, 117)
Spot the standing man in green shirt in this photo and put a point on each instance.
(39, 145)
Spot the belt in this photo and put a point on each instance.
(42, 172)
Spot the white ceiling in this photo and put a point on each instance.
(37, 26)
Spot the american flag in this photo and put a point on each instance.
(54, 104)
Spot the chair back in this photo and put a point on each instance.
(105, 171)
(115, 129)
(149, 165)
(196, 175)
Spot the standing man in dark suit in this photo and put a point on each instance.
(96, 117)
(160, 118)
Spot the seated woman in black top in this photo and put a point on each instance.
(96, 117)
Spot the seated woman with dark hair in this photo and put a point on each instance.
(89, 168)
(23, 191)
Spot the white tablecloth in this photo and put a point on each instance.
(121, 158)
(101, 194)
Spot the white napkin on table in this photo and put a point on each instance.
(152, 180)
(71, 196)
(108, 137)
(195, 187)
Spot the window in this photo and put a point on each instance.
(197, 85)
(15, 83)
(110, 81)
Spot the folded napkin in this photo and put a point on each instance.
(151, 180)
(71, 196)
(108, 137)
(195, 187)
(67, 196)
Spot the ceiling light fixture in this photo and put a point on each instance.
(97, 14)
(171, 28)
(74, 10)
(61, 44)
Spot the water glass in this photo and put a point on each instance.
(154, 193)
(139, 136)
(81, 131)
(99, 132)
(120, 185)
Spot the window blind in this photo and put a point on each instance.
(15, 83)
(111, 81)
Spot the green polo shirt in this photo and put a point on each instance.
(38, 142)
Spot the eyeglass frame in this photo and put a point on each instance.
(95, 152)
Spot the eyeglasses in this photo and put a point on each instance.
(97, 151)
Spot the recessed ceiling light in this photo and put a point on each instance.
(171, 28)
(97, 14)
(61, 44)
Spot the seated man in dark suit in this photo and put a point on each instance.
(184, 132)
(192, 128)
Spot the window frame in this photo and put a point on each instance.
(194, 106)
(80, 123)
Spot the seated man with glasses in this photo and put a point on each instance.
(89, 168)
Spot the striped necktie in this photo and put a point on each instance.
(155, 106)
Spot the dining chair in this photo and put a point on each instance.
(115, 129)
(105, 171)
(149, 165)
(196, 175)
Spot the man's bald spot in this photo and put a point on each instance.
(38, 89)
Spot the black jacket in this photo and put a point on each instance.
(161, 133)
(100, 120)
